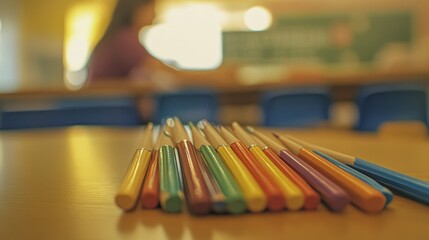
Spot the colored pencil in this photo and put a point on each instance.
(150, 191)
(171, 195)
(362, 195)
(197, 194)
(332, 195)
(234, 198)
(293, 195)
(217, 197)
(129, 190)
(311, 197)
(276, 200)
(179, 169)
(400, 183)
(386, 192)
(253, 194)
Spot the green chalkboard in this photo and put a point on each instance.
(321, 38)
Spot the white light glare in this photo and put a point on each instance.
(258, 18)
(188, 39)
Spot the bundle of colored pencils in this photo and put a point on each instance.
(214, 169)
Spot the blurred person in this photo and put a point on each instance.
(120, 57)
(119, 51)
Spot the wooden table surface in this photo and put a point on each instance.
(60, 184)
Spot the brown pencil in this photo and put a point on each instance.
(196, 191)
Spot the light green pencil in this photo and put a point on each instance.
(171, 194)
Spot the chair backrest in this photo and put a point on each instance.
(393, 102)
(296, 107)
(188, 105)
(97, 111)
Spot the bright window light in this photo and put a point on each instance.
(76, 79)
(79, 24)
(81, 34)
(189, 39)
(258, 18)
(9, 52)
(0, 45)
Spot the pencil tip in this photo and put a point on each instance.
(166, 133)
(169, 122)
(202, 123)
(221, 128)
(191, 124)
(250, 129)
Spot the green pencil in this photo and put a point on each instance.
(171, 194)
(233, 196)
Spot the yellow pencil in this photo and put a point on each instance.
(294, 196)
(129, 190)
(255, 197)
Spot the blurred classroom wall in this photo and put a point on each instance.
(310, 37)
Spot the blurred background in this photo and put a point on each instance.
(230, 46)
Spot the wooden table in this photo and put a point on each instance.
(60, 184)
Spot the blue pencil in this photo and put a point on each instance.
(386, 192)
(402, 184)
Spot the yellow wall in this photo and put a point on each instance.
(42, 34)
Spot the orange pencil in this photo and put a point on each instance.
(311, 197)
(335, 198)
(292, 193)
(362, 195)
(150, 191)
(275, 199)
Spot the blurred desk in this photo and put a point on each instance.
(236, 94)
(228, 82)
(60, 184)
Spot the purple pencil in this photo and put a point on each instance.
(333, 195)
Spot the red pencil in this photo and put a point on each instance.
(275, 199)
(196, 191)
(311, 197)
(150, 191)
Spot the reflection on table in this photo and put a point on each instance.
(60, 184)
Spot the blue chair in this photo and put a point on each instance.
(187, 104)
(69, 112)
(382, 103)
(297, 107)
